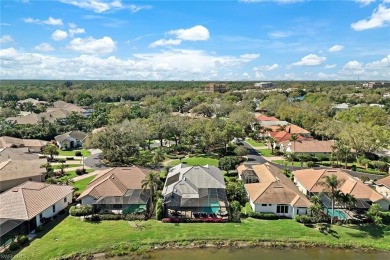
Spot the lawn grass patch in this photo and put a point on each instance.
(266, 152)
(84, 152)
(254, 143)
(75, 236)
(72, 174)
(57, 166)
(195, 161)
(82, 184)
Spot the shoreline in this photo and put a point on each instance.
(144, 249)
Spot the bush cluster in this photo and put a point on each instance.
(262, 215)
(81, 211)
(78, 153)
(81, 171)
(304, 219)
(20, 241)
(98, 217)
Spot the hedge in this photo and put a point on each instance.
(262, 215)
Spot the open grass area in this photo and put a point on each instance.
(73, 235)
(84, 152)
(254, 143)
(193, 161)
(72, 174)
(283, 162)
(82, 184)
(266, 152)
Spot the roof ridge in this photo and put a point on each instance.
(269, 184)
(211, 174)
(24, 202)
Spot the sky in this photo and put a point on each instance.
(222, 40)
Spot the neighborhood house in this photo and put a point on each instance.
(117, 190)
(269, 190)
(71, 140)
(193, 191)
(308, 147)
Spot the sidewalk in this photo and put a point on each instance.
(84, 176)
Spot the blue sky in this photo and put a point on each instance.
(195, 40)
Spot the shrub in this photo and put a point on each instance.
(304, 219)
(69, 158)
(310, 164)
(159, 209)
(78, 153)
(22, 240)
(81, 211)
(81, 171)
(14, 246)
(353, 167)
(262, 215)
(385, 215)
(39, 229)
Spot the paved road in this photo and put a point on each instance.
(255, 158)
(94, 161)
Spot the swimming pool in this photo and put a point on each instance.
(337, 213)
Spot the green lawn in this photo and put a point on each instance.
(193, 161)
(266, 152)
(72, 174)
(84, 152)
(73, 235)
(56, 167)
(82, 184)
(296, 164)
(254, 143)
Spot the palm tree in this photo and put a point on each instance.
(332, 186)
(151, 182)
(344, 152)
(315, 208)
(158, 157)
(293, 138)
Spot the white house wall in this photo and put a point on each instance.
(87, 200)
(271, 208)
(384, 204)
(60, 205)
(300, 186)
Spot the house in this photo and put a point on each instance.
(51, 115)
(215, 87)
(269, 190)
(35, 145)
(262, 117)
(376, 84)
(264, 85)
(309, 182)
(34, 102)
(73, 139)
(117, 190)
(283, 136)
(193, 189)
(66, 106)
(308, 147)
(18, 154)
(340, 107)
(27, 206)
(16, 172)
(383, 186)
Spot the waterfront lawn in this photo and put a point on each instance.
(254, 143)
(76, 236)
(82, 184)
(194, 161)
(84, 152)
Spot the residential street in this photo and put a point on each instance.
(94, 161)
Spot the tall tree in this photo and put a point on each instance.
(151, 182)
(332, 185)
(50, 150)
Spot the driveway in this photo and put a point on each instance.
(94, 161)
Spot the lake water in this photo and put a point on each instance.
(263, 254)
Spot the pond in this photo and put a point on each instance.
(263, 254)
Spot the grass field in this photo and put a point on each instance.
(73, 235)
(73, 174)
(84, 152)
(296, 164)
(193, 161)
(254, 143)
(266, 152)
(82, 184)
(57, 166)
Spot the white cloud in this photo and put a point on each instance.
(91, 45)
(74, 29)
(353, 65)
(259, 75)
(380, 17)
(59, 35)
(310, 60)
(280, 34)
(336, 48)
(266, 67)
(164, 42)
(250, 56)
(44, 47)
(49, 21)
(364, 2)
(330, 66)
(99, 6)
(383, 63)
(196, 33)
(6, 38)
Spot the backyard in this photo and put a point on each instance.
(75, 236)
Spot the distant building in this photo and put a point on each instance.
(376, 84)
(264, 85)
(215, 87)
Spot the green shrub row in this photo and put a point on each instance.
(81, 211)
(262, 215)
(20, 241)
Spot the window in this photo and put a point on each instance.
(65, 199)
(264, 205)
(117, 206)
(54, 208)
(40, 216)
(282, 209)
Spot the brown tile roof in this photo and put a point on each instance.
(67, 106)
(115, 182)
(33, 101)
(310, 146)
(262, 117)
(50, 115)
(283, 136)
(274, 187)
(294, 129)
(17, 154)
(78, 135)
(14, 169)
(310, 178)
(385, 181)
(30, 198)
(7, 141)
